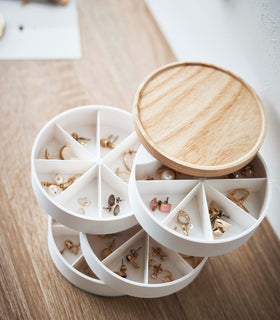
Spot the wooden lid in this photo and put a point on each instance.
(199, 119)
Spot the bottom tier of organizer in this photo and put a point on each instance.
(71, 262)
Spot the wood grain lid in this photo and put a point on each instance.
(199, 119)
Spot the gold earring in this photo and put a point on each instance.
(84, 202)
(128, 156)
(184, 220)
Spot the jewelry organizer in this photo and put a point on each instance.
(139, 282)
(73, 266)
(199, 126)
(93, 167)
(193, 195)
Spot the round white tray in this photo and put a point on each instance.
(97, 166)
(193, 195)
(139, 282)
(72, 266)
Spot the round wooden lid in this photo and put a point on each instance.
(199, 119)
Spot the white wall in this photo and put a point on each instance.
(243, 36)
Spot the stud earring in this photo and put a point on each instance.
(122, 272)
(163, 206)
(157, 270)
(113, 199)
(131, 258)
(81, 140)
(109, 142)
(158, 252)
(71, 246)
(107, 251)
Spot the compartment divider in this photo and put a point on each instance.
(147, 257)
(99, 191)
(98, 135)
(205, 214)
(71, 190)
(236, 213)
(187, 266)
(129, 140)
(77, 148)
(116, 176)
(180, 204)
(45, 165)
(73, 264)
(125, 246)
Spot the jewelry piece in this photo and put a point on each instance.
(109, 143)
(124, 175)
(84, 201)
(81, 211)
(163, 206)
(157, 270)
(113, 199)
(122, 272)
(53, 190)
(247, 172)
(167, 173)
(154, 204)
(196, 260)
(63, 185)
(47, 155)
(71, 246)
(128, 158)
(61, 152)
(219, 226)
(107, 251)
(184, 220)
(81, 140)
(243, 195)
(158, 252)
(58, 179)
(151, 262)
(89, 272)
(150, 178)
(168, 277)
(130, 257)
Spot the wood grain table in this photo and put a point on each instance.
(121, 44)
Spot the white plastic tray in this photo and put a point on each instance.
(70, 265)
(193, 195)
(139, 282)
(96, 164)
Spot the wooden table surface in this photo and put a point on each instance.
(121, 44)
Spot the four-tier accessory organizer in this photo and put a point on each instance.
(197, 185)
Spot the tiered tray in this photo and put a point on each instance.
(93, 166)
(193, 195)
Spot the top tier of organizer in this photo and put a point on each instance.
(69, 146)
(199, 119)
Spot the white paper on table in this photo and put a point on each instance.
(49, 31)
